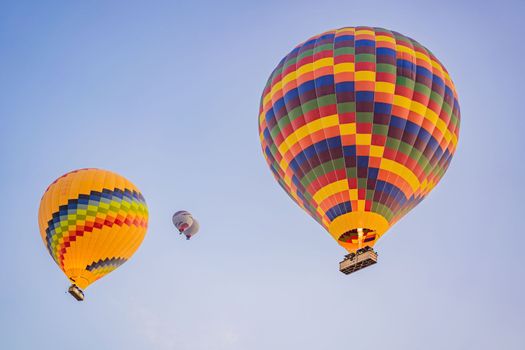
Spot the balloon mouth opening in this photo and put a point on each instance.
(356, 235)
(81, 281)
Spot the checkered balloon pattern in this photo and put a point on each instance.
(358, 125)
(91, 222)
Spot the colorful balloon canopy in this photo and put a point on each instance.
(358, 125)
(91, 222)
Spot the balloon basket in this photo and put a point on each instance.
(362, 258)
(76, 292)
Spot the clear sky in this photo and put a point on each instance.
(167, 94)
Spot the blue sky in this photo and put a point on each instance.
(167, 93)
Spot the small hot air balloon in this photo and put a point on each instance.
(91, 222)
(182, 220)
(192, 230)
(358, 125)
(185, 223)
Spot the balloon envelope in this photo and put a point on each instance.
(192, 230)
(358, 125)
(182, 220)
(185, 223)
(91, 222)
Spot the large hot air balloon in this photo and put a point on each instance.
(185, 223)
(358, 125)
(91, 222)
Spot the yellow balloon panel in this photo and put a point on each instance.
(91, 222)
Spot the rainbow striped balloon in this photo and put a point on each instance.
(358, 125)
(91, 222)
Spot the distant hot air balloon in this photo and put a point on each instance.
(192, 230)
(91, 222)
(358, 125)
(182, 220)
(185, 223)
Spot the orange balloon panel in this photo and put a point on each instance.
(92, 221)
